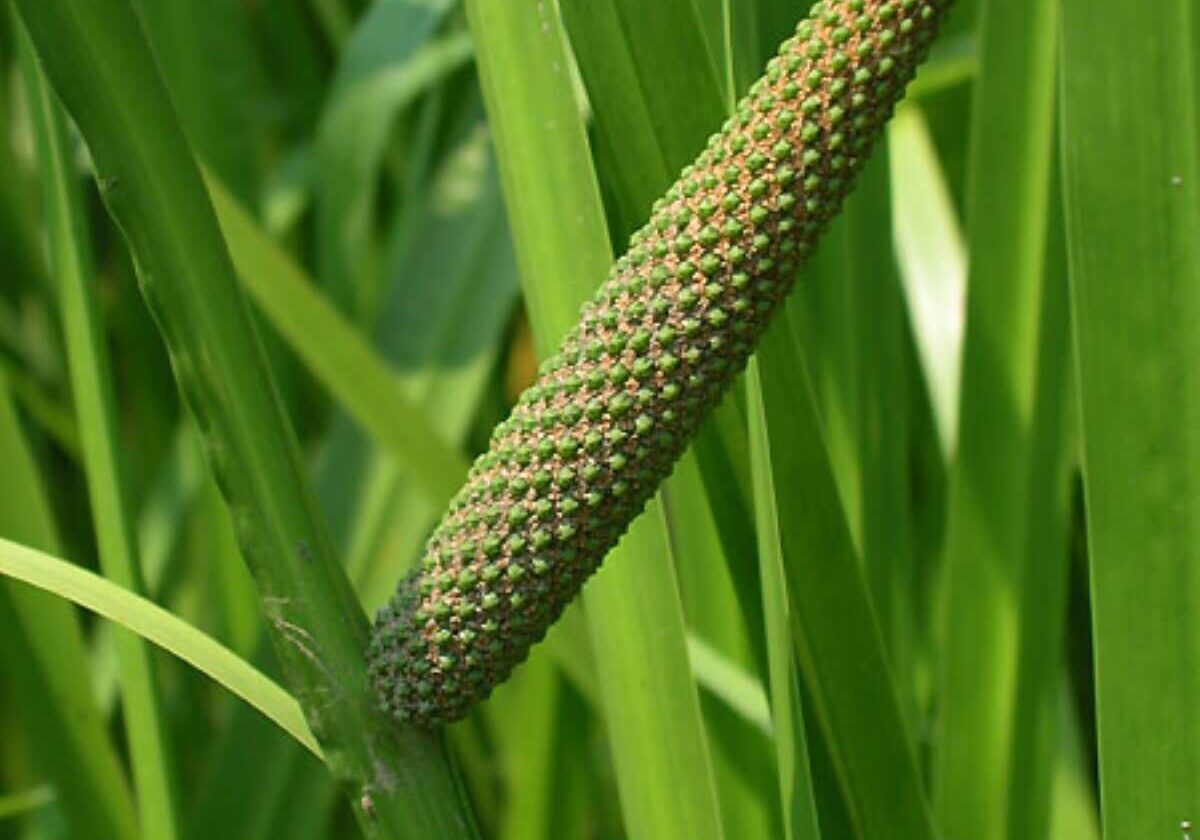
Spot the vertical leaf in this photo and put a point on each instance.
(644, 140)
(524, 717)
(1007, 208)
(206, 56)
(91, 380)
(837, 638)
(41, 646)
(101, 66)
(1044, 564)
(635, 618)
(800, 818)
(933, 264)
(387, 63)
(1131, 137)
(882, 434)
(640, 61)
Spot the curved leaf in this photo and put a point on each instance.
(160, 627)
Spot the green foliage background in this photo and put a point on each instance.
(930, 572)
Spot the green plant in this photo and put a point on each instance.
(658, 345)
(926, 570)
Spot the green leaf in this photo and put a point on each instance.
(639, 62)
(650, 702)
(721, 655)
(1036, 742)
(389, 61)
(986, 541)
(41, 641)
(729, 683)
(855, 345)
(953, 61)
(523, 715)
(334, 19)
(634, 614)
(16, 804)
(207, 57)
(643, 140)
(52, 417)
(798, 800)
(933, 264)
(102, 68)
(18, 236)
(151, 752)
(156, 625)
(837, 639)
(341, 360)
(1131, 134)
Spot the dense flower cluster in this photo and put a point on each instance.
(613, 409)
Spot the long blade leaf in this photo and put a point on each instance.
(160, 627)
(635, 617)
(1131, 141)
(101, 66)
(150, 748)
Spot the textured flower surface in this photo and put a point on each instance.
(587, 445)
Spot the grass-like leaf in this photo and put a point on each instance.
(389, 60)
(156, 625)
(40, 639)
(633, 606)
(639, 149)
(843, 659)
(70, 253)
(1007, 211)
(798, 801)
(341, 360)
(16, 804)
(1131, 125)
(933, 264)
(102, 68)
